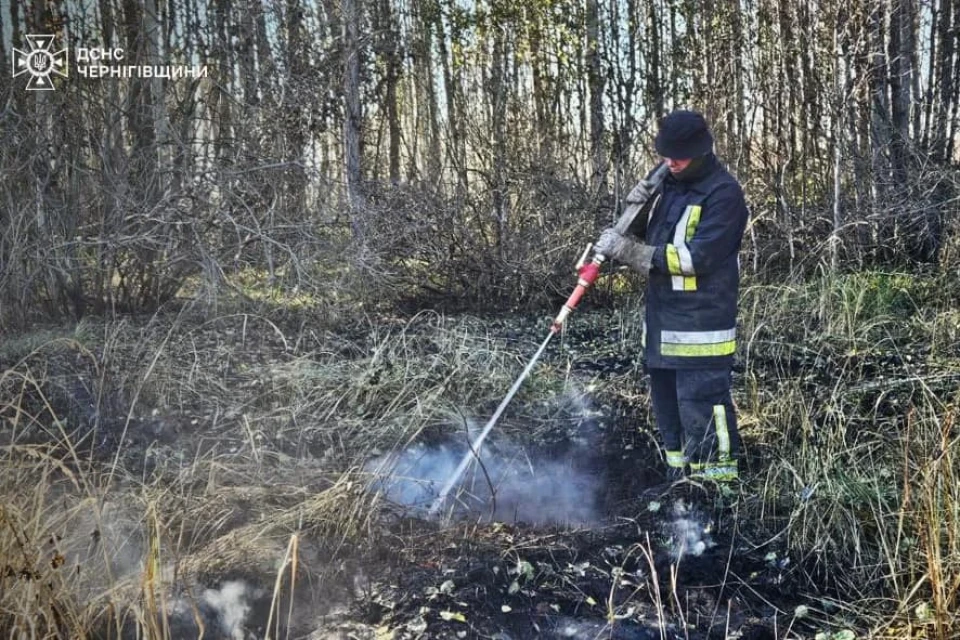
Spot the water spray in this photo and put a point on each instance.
(587, 273)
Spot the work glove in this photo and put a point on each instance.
(613, 244)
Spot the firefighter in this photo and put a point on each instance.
(688, 244)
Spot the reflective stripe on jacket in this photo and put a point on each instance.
(691, 300)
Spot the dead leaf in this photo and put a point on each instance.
(453, 615)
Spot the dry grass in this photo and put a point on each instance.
(234, 440)
(235, 447)
(850, 400)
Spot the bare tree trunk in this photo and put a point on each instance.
(498, 107)
(676, 54)
(224, 134)
(836, 135)
(156, 90)
(425, 76)
(138, 103)
(454, 100)
(265, 61)
(16, 38)
(880, 112)
(388, 37)
(738, 132)
(541, 93)
(953, 128)
(857, 106)
(623, 90)
(911, 33)
(3, 52)
(595, 81)
(941, 135)
(246, 55)
(899, 79)
(809, 103)
(353, 115)
(654, 71)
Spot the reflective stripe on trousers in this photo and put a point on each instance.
(694, 414)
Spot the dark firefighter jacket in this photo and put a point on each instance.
(696, 226)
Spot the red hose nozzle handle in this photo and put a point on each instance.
(587, 275)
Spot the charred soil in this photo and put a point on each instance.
(233, 456)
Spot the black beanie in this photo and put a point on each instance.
(683, 134)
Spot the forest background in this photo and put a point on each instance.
(462, 149)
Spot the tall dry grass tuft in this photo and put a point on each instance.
(38, 598)
(933, 499)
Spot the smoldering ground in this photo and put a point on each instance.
(509, 481)
(506, 482)
(561, 482)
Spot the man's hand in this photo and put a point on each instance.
(613, 244)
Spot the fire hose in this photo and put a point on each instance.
(587, 274)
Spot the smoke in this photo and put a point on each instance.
(231, 604)
(101, 545)
(508, 484)
(561, 627)
(224, 612)
(689, 532)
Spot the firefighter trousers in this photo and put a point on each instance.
(696, 419)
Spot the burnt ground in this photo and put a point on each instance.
(656, 560)
(661, 561)
(630, 575)
(669, 562)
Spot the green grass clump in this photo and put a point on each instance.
(850, 399)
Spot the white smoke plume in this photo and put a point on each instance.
(227, 607)
(689, 532)
(231, 603)
(510, 485)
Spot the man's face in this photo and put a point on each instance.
(676, 165)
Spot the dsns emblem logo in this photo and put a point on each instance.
(39, 62)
